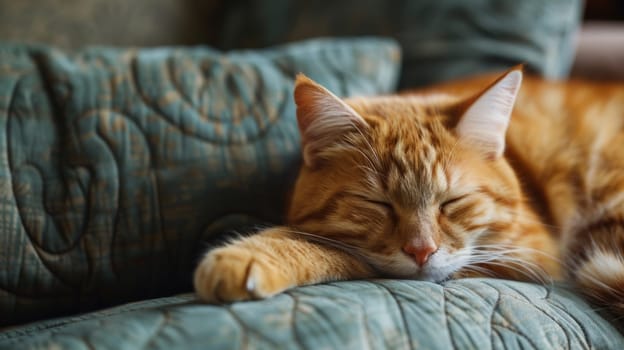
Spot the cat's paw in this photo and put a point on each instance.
(234, 273)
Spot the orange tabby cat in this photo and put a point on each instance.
(446, 183)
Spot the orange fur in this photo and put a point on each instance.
(417, 186)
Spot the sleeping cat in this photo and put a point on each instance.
(447, 182)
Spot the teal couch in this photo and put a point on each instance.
(377, 314)
(120, 166)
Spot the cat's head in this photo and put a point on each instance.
(413, 184)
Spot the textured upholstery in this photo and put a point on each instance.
(117, 164)
(382, 314)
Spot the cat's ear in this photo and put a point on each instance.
(323, 118)
(485, 119)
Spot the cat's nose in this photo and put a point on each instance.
(420, 252)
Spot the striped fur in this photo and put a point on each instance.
(565, 143)
(383, 172)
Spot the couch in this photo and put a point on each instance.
(121, 165)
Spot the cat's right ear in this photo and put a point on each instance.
(324, 119)
(484, 121)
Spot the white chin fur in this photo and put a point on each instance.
(439, 267)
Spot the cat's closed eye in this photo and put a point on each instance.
(383, 204)
(380, 203)
(448, 203)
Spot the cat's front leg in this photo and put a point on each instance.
(268, 263)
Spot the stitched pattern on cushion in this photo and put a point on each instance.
(119, 166)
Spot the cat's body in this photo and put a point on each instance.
(426, 186)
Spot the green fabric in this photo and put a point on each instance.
(115, 164)
(441, 39)
(382, 314)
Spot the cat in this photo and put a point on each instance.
(501, 176)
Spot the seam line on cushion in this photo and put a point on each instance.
(401, 313)
(241, 327)
(365, 320)
(150, 339)
(543, 311)
(494, 308)
(293, 317)
(518, 333)
(158, 111)
(246, 329)
(57, 326)
(18, 208)
(585, 336)
(446, 316)
(527, 302)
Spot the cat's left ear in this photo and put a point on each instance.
(484, 122)
(323, 118)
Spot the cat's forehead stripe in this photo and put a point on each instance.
(409, 142)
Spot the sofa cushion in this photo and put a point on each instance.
(115, 164)
(377, 314)
(441, 39)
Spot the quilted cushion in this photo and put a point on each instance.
(381, 314)
(441, 39)
(115, 164)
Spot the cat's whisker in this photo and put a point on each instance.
(531, 274)
(348, 248)
(531, 271)
(600, 308)
(502, 255)
(449, 157)
(523, 270)
(510, 248)
(315, 236)
(597, 281)
(370, 147)
(371, 163)
(535, 269)
(368, 170)
(478, 270)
